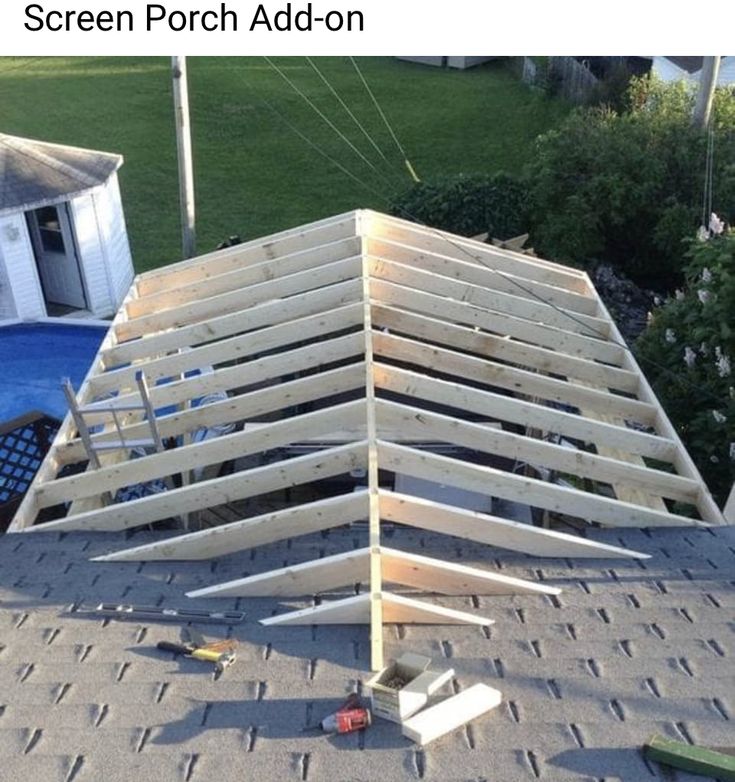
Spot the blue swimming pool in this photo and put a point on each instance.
(34, 357)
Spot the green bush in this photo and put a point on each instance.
(626, 188)
(468, 205)
(688, 352)
(612, 87)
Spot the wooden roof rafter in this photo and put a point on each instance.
(363, 339)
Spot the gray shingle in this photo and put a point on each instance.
(35, 173)
(587, 677)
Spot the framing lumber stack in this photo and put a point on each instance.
(365, 341)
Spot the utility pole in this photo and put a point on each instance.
(706, 92)
(186, 166)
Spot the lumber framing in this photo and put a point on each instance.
(353, 568)
(253, 404)
(259, 370)
(729, 510)
(271, 313)
(510, 377)
(242, 276)
(376, 573)
(317, 234)
(346, 611)
(501, 350)
(418, 422)
(505, 281)
(240, 299)
(238, 347)
(490, 404)
(529, 491)
(366, 346)
(564, 342)
(683, 462)
(397, 609)
(217, 491)
(309, 578)
(466, 284)
(250, 533)
(493, 530)
(427, 574)
(382, 227)
(188, 457)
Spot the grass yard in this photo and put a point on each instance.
(254, 175)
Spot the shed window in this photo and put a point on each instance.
(49, 229)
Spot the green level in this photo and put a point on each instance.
(695, 760)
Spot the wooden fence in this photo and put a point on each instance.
(566, 76)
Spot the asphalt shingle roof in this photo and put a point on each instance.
(629, 648)
(35, 173)
(689, 64)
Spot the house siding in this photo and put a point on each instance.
(16, 253)
(92, 256)
(104, 251)
(7, 303)
(111, 220)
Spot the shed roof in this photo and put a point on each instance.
(36, 173)
(364, 343)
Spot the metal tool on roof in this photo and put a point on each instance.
(155, 614)
(221, 653)
(349, 717)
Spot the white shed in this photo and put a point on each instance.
(63, 242)
(462, 63)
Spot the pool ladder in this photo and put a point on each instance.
(108, 406)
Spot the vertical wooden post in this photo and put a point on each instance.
(376, 574)
(706, 92)
(186, 166)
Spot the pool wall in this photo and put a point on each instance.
(37, 354)
(94, 322)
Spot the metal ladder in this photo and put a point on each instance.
(92, 446)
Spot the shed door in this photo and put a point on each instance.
(56, 256)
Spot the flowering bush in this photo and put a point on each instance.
(688, 352)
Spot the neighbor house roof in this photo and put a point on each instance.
(364, 344)
(688, 64)
(689, 69)
(36, 173)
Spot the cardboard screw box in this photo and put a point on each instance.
(404, 687)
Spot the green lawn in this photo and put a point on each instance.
(253, 174)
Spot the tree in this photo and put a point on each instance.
(626, 188)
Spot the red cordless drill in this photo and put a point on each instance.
(350, 716)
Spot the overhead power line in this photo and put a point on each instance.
(380, 111)
(326, 119)
(347, 109)
(318, 149)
